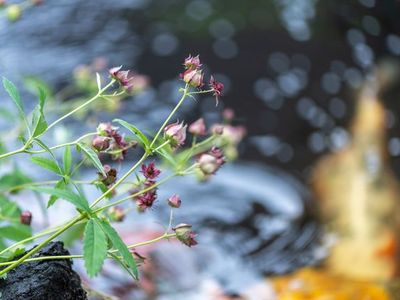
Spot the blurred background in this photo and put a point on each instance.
(293, 72)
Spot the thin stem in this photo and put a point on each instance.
(161, 146)
(185, 93)
(41, 245)
(58, 257)
(99, 93)
(119, 181)
(65, 144)
(20, 150)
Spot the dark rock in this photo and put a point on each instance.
(43, 280)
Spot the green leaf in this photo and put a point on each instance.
(9, 209)
(132, 128)
(60, 185)
(92, 155)
(77, 200)
(39, 124)
(94, 247)
(67, 160)
(13, 179)
(15, 232)
(14, 94)
(120, 246)
(44, 147)
(46, 163)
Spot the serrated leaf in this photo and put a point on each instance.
(46, 164)
(67, 160)
(94, 247)
(11, 89)
(92, 155)
(44, 147)
(132, 128)
(60, 185)
(14, 94)
(75, 199)
(119, 245)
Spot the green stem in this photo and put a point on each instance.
(63, 145)
(185, 93)
(57, 257)
(41, 245)
(99, 93)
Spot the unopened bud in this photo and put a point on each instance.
(198, 127)
(174, 201)
(101, 143)
(26, 217)
(116, 214)
(185, 234)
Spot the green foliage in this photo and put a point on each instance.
(11, 227)
(94, 247)
(77, 200)
(67, 160)
(13, 179)
(120, 246)
(39, 124)
(132, 128)
(92, 155)
(60, 185)
(47, 164)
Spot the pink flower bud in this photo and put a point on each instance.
(193, 77)
(185, 234)
(176, 132)
(198, 127)
(174, 201)
(210, 162)
(101, 143)
(116, 214)
(26, 217)
(122, 77)
(192, 62)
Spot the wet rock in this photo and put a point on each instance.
(39, 280)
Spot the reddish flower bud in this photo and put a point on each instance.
(185, 234)
(150, 171)
(111, 176)
(192, 62)
(176, 132)
(101, 143)
(116, 214)
(26, 217)
(198, 127)
(217, 87)
(122, 77)
(174, 201)
(193, 77)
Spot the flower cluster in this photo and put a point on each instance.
(146, 199)
(109, 177)
(193, 76)
(109, 140)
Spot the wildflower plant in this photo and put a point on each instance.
(168, 147)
